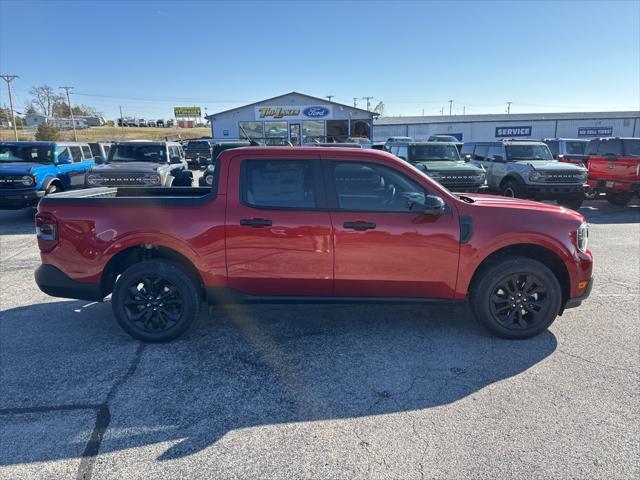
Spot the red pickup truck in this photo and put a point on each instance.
(296, 224)
(614, 168)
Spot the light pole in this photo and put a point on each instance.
(73, 122)
(509, 107)
(9, 79)
(450, 106)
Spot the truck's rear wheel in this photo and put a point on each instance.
(155, 301)
(619, 199)
(516, 298)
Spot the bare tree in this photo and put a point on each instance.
(45, 99)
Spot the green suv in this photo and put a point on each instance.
(441, 161)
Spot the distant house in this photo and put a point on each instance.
(35, 120)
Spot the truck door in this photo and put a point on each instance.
(278, 228)
(385, 246)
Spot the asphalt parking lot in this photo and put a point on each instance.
(322, 391)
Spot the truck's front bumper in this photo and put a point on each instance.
(576, 302)
(16, 199)
(53, 281)
(554, 192)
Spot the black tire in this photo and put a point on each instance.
(527, 283)
(155, 301)
(183, 180)
(619, 199)
(572, 203)
(52, 188)
(512, 189)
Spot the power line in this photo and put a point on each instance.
(10, 78)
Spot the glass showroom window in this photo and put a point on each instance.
(251, 130)
(276, 133)
(360, 128)
(312, 131)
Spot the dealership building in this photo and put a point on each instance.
(470, 128)
(292, 117)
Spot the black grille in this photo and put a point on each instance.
(122, 180)
(458, 179)
(11, 181)
(562, 177)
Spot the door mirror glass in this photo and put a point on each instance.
(467, 158)
(434, 205)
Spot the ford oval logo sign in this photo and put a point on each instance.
(316, 112)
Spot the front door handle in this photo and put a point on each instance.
(255, 222)
(359, 225)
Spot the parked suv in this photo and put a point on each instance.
(142, 164)
(198, 153)
(31, 170)
(526, 169)
(441, 161)
(569, 150)
(614, 168)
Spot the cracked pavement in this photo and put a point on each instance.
(322, 391)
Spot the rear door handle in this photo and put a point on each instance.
(255, 222)
(359, 225)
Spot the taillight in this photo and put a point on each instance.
(46, 231)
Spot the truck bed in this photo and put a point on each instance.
(132, 196)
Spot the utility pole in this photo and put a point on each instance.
(509, 107)
(9, 79)
(73, 122)
(329, 97)
(442, 111)
(368, 99)
(355, 102)
(121, 122)
(450, 106)
(464, 109)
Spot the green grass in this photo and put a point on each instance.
(99, 134)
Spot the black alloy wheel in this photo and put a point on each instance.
(153, 305)
(519, 301)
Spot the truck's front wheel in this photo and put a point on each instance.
(619, 199)
(516, 298)
(155, 301)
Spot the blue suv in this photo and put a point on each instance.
(31, 170)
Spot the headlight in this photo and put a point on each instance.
(482, 177)
(208, 179)
(153, 179)
(27, 180)
(535, 176)
(94, 179)
(582, 237)
(583, 176)
(434, 175)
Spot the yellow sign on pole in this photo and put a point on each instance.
(186, 112)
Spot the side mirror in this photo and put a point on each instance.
(467, 158)
(561, 158)
(100, 160)
(64, 160)
(434, 205)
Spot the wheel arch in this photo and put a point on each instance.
(539, 253)
(512, 177)
(139, 253)
(47, 182)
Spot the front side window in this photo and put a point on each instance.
(554, 147)
(528, 152)
(480, 152)
(575, 148)
(76, 154)
(402, 152)
(278, 184)
(375, 188)
(631, 147)
(467, 149)
(592, 147)
(495, 153)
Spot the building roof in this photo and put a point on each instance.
(315, 99)
(503, 117)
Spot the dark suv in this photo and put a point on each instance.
(441, 161)
(198, 153)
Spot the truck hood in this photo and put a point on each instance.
(551, 166)
(128, 167)
(18, 168)
(448, 166)
(495, 201)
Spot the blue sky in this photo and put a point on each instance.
(149, 56)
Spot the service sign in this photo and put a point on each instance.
(186, 112)
(595, 131)
(508, 132)
(298, 112)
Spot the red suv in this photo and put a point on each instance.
(614, 168)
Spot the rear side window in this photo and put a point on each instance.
(76, 154)
(610, 147)
(278, 184)
(86, 151)
(592, 147)
(575, 148)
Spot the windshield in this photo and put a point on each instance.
(138, 153)
(19, 153)
(576, 148)
(428, 153)
(528, 152)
